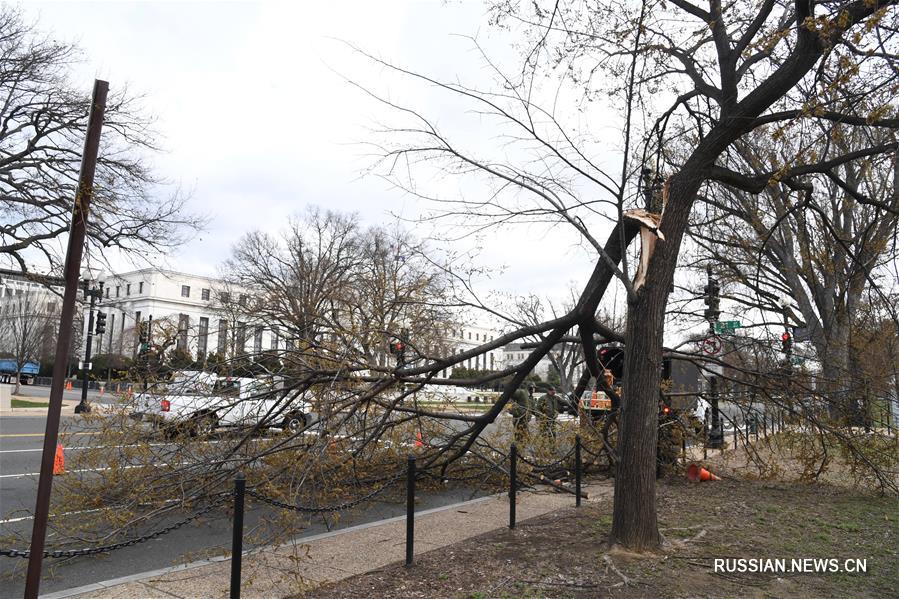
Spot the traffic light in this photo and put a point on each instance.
(786, 341)
(712, 292)
(143, 338)
(100, 325)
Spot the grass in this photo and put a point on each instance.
(23, 403)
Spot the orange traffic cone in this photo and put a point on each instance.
(418, 441)
(697, 473)
(59, 461)
(68, 385)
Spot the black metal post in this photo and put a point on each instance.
(716, 434)
(577, 470)
(74, 250)
(83, 407)
(513, 483)
(240, 486)
(735, 432)
(410, 509)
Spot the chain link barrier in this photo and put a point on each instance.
(65, 553)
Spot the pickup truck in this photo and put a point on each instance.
(195, 407)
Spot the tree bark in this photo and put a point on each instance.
(634, 521)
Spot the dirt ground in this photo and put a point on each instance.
(565, 555)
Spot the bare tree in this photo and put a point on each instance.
(824, 249)
(733, 69)
(27, 325)
(42, 127)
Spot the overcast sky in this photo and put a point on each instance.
(257, 121)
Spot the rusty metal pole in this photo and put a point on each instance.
(75, 248)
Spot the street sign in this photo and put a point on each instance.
(81, 365)
(711, 346)
(727, 326)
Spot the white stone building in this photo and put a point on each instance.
(189, 306)
(464, 338)
(181, 306)
(512, 354)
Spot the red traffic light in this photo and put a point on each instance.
(398, 347)
(785, 336)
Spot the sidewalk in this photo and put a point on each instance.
(290, 569)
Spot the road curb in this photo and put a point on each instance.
(106, 584)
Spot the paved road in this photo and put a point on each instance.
(20, 443)
(39, 392)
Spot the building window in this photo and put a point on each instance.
(257, 341)
(140, 287)
(183, 325)
(223, 337)
(242, 300)
(241, 342)
(185, 291)
(204, 294)
(202, 337)
(128, 289)
(111, 333)
(107, 293)
(275, 338)
(117, 290)
(122, 334)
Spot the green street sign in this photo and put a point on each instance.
(727, 326)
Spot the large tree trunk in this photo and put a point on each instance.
(838, 379)
(634, 521)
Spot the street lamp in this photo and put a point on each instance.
(713, 301)
(92, 293)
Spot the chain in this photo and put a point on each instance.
(546, 466)
(465, 477)
(324, 509)
(60, 553)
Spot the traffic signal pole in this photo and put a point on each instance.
(84, 407)
(715, 439)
